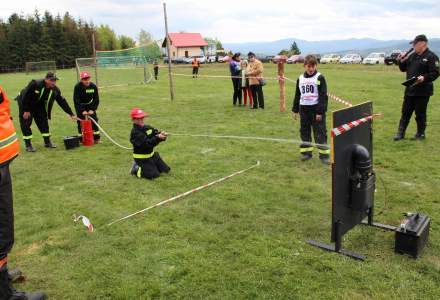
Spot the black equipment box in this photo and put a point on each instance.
(412, 235)
(71, 142)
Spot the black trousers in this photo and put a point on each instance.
(309, 123)
(156, 72)
(151, 168)
(40, 116)
(6, 212)
(94, 116)
(415, 104)
(257, 95)
(195, 71)
(237, 96)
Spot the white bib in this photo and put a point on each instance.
(309, 89)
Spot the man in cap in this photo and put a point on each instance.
(422, 66)
(147, 163)
(35, 102)
(86, 99)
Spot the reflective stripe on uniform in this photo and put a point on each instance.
(27, 137)
(90, 91)
(149, 131)
(139, 172)
(7, 141)
(305, 149)
(96, 132)
(45, 134)
(143, 156)
(324, 151)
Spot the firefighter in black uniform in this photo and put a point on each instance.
(36, 102)
(86, 99)
(311, 104)
(423, 66)
(147, 163)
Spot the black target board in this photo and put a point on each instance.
(344, 217)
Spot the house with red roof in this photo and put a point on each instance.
(186, 44)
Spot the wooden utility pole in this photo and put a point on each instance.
(170, 76)
(95, 64)
(281, 61)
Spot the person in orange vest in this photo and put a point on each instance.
(196, 65)
(9, 148)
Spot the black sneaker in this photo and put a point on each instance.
(418, 137)
(399, 136)
(134, 169)
(306, 157)
(30, 149)
(325, 160)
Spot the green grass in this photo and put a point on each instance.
(242, 239)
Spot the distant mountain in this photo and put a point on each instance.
(362, 46)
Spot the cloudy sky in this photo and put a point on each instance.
(253, 20)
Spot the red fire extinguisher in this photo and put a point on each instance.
(87, 132)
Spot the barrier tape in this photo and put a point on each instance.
(185, 194)
(337, 99)
(349, 126)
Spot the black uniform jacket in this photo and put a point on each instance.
(36, 95)
(425, 64)
(86, 97)
(144, 139)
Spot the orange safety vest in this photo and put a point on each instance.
(9, 145)
(195, 63)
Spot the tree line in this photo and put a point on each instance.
(41, 37)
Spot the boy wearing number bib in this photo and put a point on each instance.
(310, 104)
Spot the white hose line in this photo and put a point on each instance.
(109, 137)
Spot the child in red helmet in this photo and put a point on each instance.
(147, 163)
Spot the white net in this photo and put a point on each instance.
(116, 71)
(40, 66)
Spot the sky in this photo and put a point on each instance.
(252, 20)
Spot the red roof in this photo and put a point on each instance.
(187, 40)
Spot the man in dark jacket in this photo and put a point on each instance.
(86, 99)
(147, 163)
(422, 66)
(36, 102)
(311, 104)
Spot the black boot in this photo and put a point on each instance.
(8, 293)
(15, 275)
(48, 143)
(400, 135)
(29, 147)
(418, 137)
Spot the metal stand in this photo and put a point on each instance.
(337, 247)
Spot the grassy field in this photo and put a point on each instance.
(242, 239)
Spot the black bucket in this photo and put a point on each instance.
(71, 142)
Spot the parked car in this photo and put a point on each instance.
(188, 60)
(352, 58)
(266, 59)
(330, 58)
(210, 59)
(374, 59)
(391, 59)
(222, 58)
(295, 59)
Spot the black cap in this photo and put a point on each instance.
(419, 38)
(251, 54)
(51, 76)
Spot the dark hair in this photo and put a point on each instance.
(251, 54)
(310, 60)
(236, 55)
